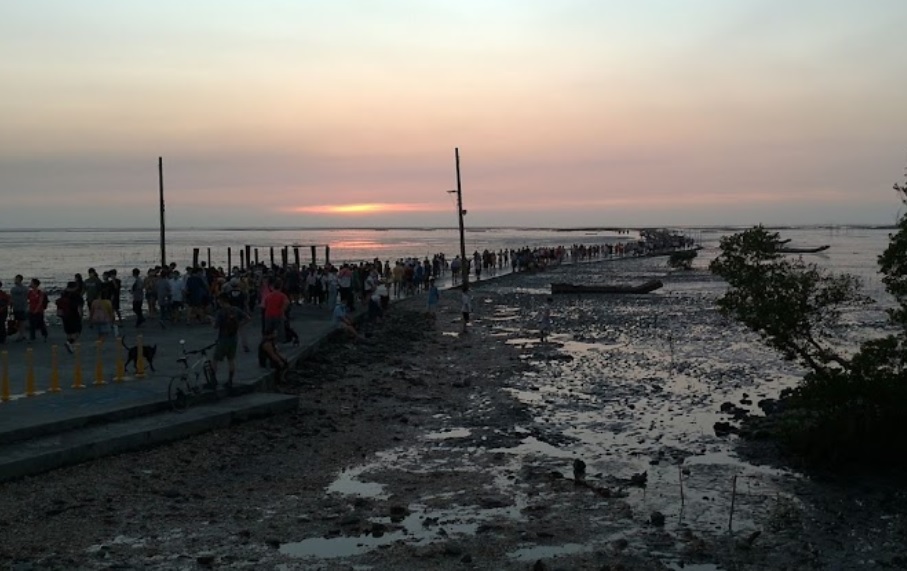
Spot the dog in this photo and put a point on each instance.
(148, 352)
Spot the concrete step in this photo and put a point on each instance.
(76, 445)
(53, 414)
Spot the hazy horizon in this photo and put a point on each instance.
(579, 113)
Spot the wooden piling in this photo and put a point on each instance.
(296, 255)
(194, 257)
(314, 256)
(229, 261)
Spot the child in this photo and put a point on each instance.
(545, 321)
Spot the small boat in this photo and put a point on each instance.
(647, 287)
(815, 250)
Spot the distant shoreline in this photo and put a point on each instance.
(727, 228)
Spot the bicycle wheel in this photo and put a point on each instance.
(178, 393)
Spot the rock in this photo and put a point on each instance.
(657, 519)
(621, 544)
(378, 529)
(205, 559)
(639, 479)
(539, 566)
(273, 542)
(724, 428)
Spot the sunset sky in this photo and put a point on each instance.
(347, 113)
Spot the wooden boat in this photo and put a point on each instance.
(815, 250)
(647, 287)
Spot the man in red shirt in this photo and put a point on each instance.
(37, 303)
(275, 305)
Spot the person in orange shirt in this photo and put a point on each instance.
(37, 303)
(275, 305)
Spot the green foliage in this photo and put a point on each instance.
(847, 409)
(794, 306)
(682, 259)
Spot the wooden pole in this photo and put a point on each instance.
(464, 264)
(160, 176)
(209, 257)
(284, 257)
(272, 257)
(229, 261)
(194, 257)
(327, 255)
(249, 256)
(314, 256)
(296, 255)
(256, 256)
(242, 260)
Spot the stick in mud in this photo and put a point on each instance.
(730, 521)
(680, 477)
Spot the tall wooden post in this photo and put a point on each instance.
(296, 255)
(194, 257)
(242, 260)
(314, 257)
(160, 176)
(464, 264)
(327, 255)
(209, 257)
(272, 257)
(256, 256)
(249, 257)
(229, 261)
(284, 257)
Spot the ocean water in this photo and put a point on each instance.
(54, 256)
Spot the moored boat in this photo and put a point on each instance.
(646, 287)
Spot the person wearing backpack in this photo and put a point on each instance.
(37, 303)
(227, 321)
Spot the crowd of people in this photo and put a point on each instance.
(228, 298)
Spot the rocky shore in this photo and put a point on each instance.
(425, 449)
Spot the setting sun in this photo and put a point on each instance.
(365, 208)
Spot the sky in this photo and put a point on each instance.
(566, 113)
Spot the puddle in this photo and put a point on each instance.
(537, 552)
(347, 484)
(422, 526)
(449, 434)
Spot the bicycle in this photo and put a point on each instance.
(184, 388)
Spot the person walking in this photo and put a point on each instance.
(69, 311)
(37, 304)
(138, 297)
(101, 312)
(5, 303)
(228, 320)
(465, 308)
(19, 295)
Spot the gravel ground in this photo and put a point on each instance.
(426, 449)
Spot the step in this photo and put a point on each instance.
(44, 453)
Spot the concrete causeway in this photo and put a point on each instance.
(49, 430)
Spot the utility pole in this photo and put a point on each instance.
(464, 263)
(160, 175)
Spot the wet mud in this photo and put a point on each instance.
(426, 449)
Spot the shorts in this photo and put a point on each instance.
(103, 328)
(225, 348)
(466, 316)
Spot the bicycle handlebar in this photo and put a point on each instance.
(196, 351)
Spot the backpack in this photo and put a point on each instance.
(230, 324)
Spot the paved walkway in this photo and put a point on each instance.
(104, 397)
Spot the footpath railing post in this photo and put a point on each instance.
(30, 372)
(119, 368)
(54, 370)
(77, 366)
(98, 364)
(4, 389)
(139, 358)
